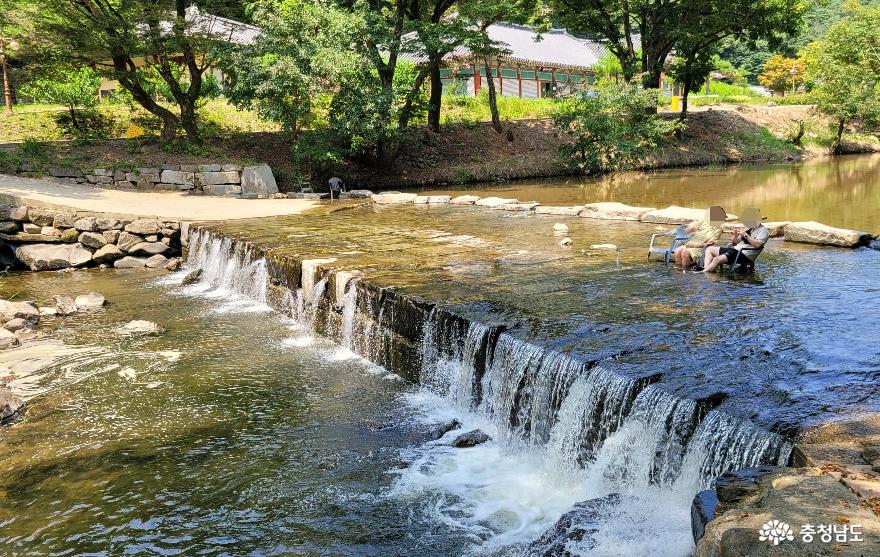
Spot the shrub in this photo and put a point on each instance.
(73, 89)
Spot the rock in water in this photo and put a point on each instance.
(443, 429)
(140, 327)
(565, 242)
(559, 227)
(20, 310)
(108, 254)
(191, 277)
(7, 339)
(92, 300)
(45, 257)
(577, 525)
(470, 439)
(174, 264)
(16, 324)
(11, 406)
(64, 305)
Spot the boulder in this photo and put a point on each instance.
(566, 242)
(7, 340)
(218, 178)
(393, 198)
(64, 305)
(559, 227)
(50, 231)
(107, 254)
(151, 238)
(158, 261)
(464, 200)
(818, 233)
(673, 215)
(111, 236)
(143, 227)
(9, 227)
(11, 405)
(178, 177)
(69, 235)
(140, 327)
(31, 228)
(92, 239)
(562, 211)
(520, 206)
(16, 324)
(442, 429)
(258, 180)
(42, 217)
(191, 277)
(107, 224)
(174, 264)
(611, 210)
(470, 439)
(86, 224)
(64, 220)
(129, 262)
(356, 194)
(148, 249)
(433, 199)
(19, 310)
(92, 300)
(19, 214)
(577, 527)
(46, 311)
(127, 240)
(45, 257)
(494, 201)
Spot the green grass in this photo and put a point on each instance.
(469, 110)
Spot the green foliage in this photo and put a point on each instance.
(466, 109)
(608, 69)
(610, 127)
(782, 74)
(71, 88)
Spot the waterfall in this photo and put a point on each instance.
(349, 314)
(228, 267)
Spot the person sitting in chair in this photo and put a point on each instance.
(705, 232)
(752, 235)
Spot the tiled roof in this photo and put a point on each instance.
(220, 28)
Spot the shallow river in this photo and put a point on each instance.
(242, 432)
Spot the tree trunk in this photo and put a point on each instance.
(169, 127)
(493, 100)
(73, 121)
(436, 99)
(841, 125)
(684, 103)
(406, 111)
(189, 122)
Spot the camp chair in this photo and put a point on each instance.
(679, 237)
(741, 262)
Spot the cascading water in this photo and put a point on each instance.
(577, 429)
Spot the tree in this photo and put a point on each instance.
(781, 74)
(610, 127)
(72, 88)
(177, 45)
(690, 69)
(643, 34)
(608, 69)
(845, 66)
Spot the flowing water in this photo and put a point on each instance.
(292, 405)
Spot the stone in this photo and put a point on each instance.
(258, 180)
(110, 236)
(19, 214)
(432, 199)
(92, 179)
(41, 217)
(46, 311)
(64, 220)
(148, 249)
(70, 235)
(443, 429)
(151, 238)
(492, 202)
(129, 262)
(209, 168)
(222, 189)
(127, 240)
(231, 167)
(45, 257)
(673, 215)
(184, 233)
(818, 233)
(611, 210)
(393, 198)
(64, 305)
(192, 277)
(464, 200)
(520, 206)
(566, 242)
(24, 238)
(218, 178)
(11, 405)
(470, 439)
(559, 227)
(19, 310)
(174, 264)
(86, 224)
(7, 340)
(177, 177)
(16, 324)
(577, 527)
(92, 239)
(107, 254)
(92, 300)
(9, 227)
(103, 224)
(189, 167)
(169, 233)
(158, 261)
(64, 172)
(143, 226)
(30, 228)
(101, 172)
(170, 167)
(140, 327)
(561, 211)
(356, 194)
(50, 231)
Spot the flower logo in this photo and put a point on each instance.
(775, 531)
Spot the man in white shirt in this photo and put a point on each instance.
(752, 235)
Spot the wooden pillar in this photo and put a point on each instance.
(476, 79)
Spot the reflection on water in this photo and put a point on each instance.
(843, 192)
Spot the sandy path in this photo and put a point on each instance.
(16, 190)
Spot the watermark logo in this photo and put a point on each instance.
(776, 531)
